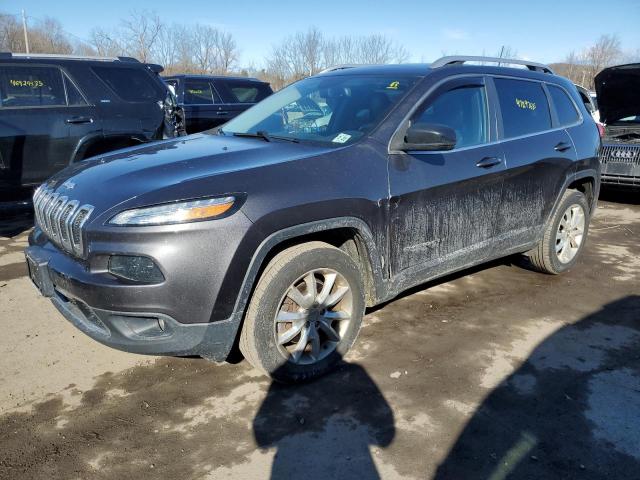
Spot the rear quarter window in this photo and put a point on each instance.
(22, 86)
(524, 107)
(565, 109)
(238, 91)
(130, 84)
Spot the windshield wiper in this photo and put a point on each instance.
(259, 134)
(265, 136)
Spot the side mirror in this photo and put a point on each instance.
(429, 136)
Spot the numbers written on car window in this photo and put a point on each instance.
(31, 86)
(524, 107)
(26, 83)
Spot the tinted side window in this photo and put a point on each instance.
(73, 94)
(31, 87)
(524, 107)
(130, 84)
(238, 91)
(566, 110)
(465, 110)
(199, 92)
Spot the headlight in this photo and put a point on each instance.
(181, 212)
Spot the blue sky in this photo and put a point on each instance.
(542, 30)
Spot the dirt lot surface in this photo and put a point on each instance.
(496, 373)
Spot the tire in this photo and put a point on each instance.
(545, 256)
(265, 326)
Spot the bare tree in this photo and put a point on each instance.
(307, 53)
(11, 39)
(140, 32)
(228, 52)
(45, 36)
(604, 53)
(106, 44)
(49, 37)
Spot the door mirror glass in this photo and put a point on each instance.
(429, 136)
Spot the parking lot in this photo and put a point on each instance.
(495, 372)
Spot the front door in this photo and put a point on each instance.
(444, 204)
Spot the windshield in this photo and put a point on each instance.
(335, 110)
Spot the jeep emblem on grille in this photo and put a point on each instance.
(69, 185)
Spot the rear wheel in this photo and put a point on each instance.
(305, 312)
(564, 237)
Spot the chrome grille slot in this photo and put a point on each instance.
(61, 219)
(57, 209)
(67, 212)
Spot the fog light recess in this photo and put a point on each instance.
(135, 269)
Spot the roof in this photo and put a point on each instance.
(66, 59)
(423, 69)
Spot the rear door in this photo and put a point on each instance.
(444, 204)
(42, 117)
(539, 155)
(137, 106)
(203, 106)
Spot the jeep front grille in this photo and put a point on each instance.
(629, 154)
(61, 219)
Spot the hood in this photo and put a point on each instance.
(175, 169)
(618, 90)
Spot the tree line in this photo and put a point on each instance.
(209, 50)
(581, 67)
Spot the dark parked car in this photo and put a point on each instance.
(281, 228)
(209, 101)
(56, 110)
(618, 90)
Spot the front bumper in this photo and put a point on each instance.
(151, 332)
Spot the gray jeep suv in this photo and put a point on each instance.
(338, 192)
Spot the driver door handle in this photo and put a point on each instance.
(75, 120)
(488, 162)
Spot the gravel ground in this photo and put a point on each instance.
(498, 372)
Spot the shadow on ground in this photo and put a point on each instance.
(12, 224)
(617, 195)
(347, 416)
(185, 418)
(572, 410)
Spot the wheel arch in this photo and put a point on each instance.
(586, 181)
(350, 234)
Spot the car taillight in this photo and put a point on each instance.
(600, 129)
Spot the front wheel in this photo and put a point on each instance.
(305, 312)
(564, 237)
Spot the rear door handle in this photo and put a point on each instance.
(222, 113)
(74, 120)
(562, 146)
(488, 162)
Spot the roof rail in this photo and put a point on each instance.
(67, 57)
(341, 67)
(460, 60)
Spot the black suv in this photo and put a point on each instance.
(210, 101)
(618, 90)
(56, 110)
(336, 193)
